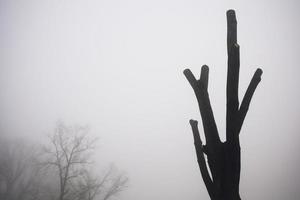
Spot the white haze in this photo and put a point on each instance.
(117, 65)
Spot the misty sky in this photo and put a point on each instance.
(117, 65)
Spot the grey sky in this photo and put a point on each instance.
(117, 66)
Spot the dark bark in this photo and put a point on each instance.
(224, 158)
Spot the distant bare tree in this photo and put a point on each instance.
(100, 187)
(18, 171)
(69, 155)
(224, 159)
(114, 185)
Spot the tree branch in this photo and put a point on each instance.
(247, 98)
(200, 89)
(201, 159)
(232, 75)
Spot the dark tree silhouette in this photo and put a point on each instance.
(224, 158)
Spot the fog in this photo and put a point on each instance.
(117, 65)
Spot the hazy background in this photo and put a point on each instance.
(117, 65)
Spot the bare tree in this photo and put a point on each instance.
(224, 158)
(18, 171)
(110, 184)
(115, 183)
(69, 155)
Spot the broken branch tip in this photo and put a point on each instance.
(193, 122)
